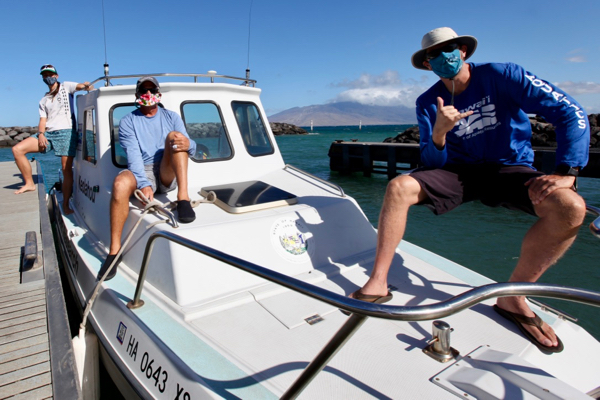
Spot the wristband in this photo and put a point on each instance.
(566, 170)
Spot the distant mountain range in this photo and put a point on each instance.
(346, 113)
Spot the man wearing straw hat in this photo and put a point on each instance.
(476, 145)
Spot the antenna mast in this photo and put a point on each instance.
(249, 25)
(105, 53)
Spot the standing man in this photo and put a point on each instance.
(157, 147)
(476, 145)
(56, 131)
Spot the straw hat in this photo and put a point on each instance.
(439, 36)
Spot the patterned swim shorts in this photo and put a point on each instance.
(63, 142)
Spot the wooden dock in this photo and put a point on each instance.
(395, 158)
(36, 355)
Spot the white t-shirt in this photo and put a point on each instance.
(58, 110)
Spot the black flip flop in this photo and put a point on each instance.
(519, 320)
(369, 298)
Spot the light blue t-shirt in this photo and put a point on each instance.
(143, 139)
(499, 131)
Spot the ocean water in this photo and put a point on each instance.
(486, 240)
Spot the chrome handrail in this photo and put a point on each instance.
(108, 78)
(400, 313)
(595, 224)
(323, 181)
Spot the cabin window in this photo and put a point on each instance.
(88, 137)
(116, 113)
(204, 125)
(253, 131)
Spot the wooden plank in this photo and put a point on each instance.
(29, 351)
(22, 320)
(24, 343)
(23, 327)
(11, 273)
(44, 392)
(24, 373)
(21, 295)
(6, 310)
(24, 288)
(22, 313)
(9, 251)
(24, 362)
(22, 387)
(23, 335)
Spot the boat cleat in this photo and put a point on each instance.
(439, 346)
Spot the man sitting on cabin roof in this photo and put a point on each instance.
(157, 147)
(476, 144)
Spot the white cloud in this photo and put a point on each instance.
(385, 89)
(575, 88)
(577, 56)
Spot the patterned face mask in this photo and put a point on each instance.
(50, 80)
(148, 99)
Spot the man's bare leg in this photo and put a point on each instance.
(20, 151)
(123, 187)
(401, 193)
(174, 164)
(560, 216)
(67, 187)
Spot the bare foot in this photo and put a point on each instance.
(26, 188)
(518, 305)
(67, 210)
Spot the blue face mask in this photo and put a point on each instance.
(447, 65)
(50, 80)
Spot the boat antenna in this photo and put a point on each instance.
(249, 25)
(105, 52)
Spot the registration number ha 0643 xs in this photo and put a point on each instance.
(147, 368)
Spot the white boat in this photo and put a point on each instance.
(244, 302)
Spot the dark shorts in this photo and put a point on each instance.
(493, 185)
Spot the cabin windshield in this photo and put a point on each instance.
(204, 124)
(252, 128)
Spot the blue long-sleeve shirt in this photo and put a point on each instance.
(499, 131)
(143, 139)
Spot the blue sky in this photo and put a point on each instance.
(301, 52)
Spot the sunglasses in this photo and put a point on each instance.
(449, 48)
(47, 66)
(153, 90)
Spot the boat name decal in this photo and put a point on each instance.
(153, 372)
(87, 190)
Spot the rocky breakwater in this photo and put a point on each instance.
(280, 128)
(543, 133)
(12, 135)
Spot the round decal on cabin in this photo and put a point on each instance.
(292, 240)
